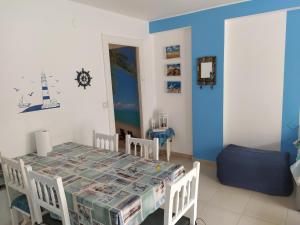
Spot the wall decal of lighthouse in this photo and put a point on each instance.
(47, 102)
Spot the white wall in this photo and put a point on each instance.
(58, 37)
(178, 106)
(253, 80)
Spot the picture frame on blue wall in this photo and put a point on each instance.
(207, 71)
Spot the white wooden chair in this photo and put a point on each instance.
(108, 142)
(48, 192)
(148, 149)
(181, 196)
(19, 197)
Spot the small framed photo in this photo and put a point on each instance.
(173, 86)
(173, 69)
(173, 51)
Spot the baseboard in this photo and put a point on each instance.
(206, 162)
(177, 154)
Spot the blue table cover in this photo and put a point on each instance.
(163, 136)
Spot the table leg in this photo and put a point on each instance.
(168, 149)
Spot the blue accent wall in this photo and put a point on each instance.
(291, 94)
(208, 39)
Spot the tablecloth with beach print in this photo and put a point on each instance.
(105, 187)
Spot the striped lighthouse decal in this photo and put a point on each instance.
(46, 96)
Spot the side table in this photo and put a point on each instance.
(165, 137)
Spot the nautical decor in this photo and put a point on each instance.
(152, 123)
(83, 78)
(47, 102)
(23, 104)
(163, 120)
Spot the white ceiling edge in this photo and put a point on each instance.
(263, 13)
(199, 10)
(106, 10)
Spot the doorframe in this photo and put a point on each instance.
(138, 43)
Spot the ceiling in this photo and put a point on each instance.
(155, 9)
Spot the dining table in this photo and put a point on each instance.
(106, 187)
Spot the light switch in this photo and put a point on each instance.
(105, 105)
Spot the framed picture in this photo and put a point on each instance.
(173, 51)
(173, 86)
(207, 71)
(173, 69)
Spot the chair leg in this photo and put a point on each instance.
(14, 217)
(168, 150)
(194, 214)
(25, 220)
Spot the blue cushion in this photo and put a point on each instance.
(258, 170)
(21, 203)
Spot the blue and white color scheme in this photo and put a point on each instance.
(208, 39)
(47, 102)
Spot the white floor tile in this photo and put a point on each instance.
(206, 191)
(233, 199)
(264, 208)
(293, 217)
(213, 215)
(222, 205)
(245, 220)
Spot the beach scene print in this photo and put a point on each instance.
(174, 69)
(125, 91)
(173, 51)
(173, 86)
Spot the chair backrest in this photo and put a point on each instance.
(108, 142)
(182, 196)
(48, 192)
(14, 174)
(148, 149)
(16, 181)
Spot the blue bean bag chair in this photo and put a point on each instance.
(258, 170)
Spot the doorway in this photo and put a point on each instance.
(254, 80)
(125, 90)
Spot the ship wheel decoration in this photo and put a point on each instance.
(83, 78)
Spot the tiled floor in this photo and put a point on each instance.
(224, 205)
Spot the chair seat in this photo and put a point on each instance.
(157, 218)
(21, 203)
(48, 220)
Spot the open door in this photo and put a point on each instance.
(125, 90)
